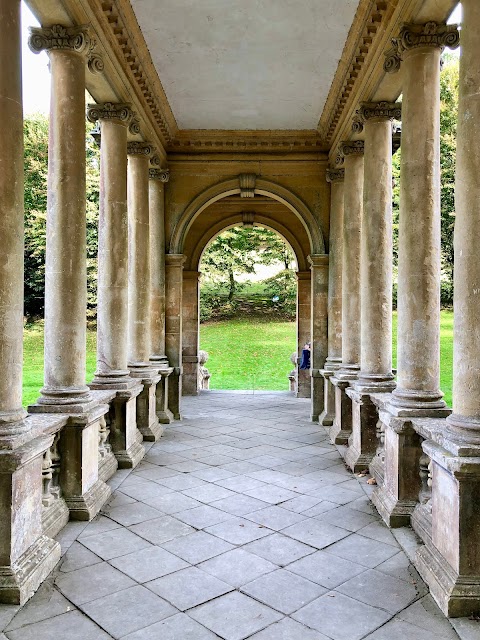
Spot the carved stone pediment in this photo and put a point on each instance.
(430, 34)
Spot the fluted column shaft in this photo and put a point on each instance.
(419, 234)
(65, 266)
(352, 226)
(112, 296)
(376, 256)
(157, 182)
(11, 219)
(464, 424)
(335, 269)
(138, 257)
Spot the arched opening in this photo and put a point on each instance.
(278, 221)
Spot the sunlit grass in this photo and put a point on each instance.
(244, 354)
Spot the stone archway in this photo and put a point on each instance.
(215, 218)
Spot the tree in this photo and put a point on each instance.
(238, 250)
(36, 171)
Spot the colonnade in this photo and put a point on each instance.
(424, 458)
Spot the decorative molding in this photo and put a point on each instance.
(59, 37)
(124, 28)
(412, 36)
(159, 174)
(155, 161)
(335, 175)
(248, 218)
(135, 148)
(369, 20)
(119, 111)
(376, 110)
(95, 63)
(134, 127)
(247, 184)
(223, 141)
(350, 148)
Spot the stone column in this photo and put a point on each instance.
(173, 328)
(112, 293)
(158, 179)
(418, 391)
(451, 563)
(376, 254)
(64, 388)
(190, 332)
(334, 359)
(304, 329)
(139, 307)
(417, 49)
(65, 267)
(26, 555)
(319, 328)
(352, 155)
(156, 195)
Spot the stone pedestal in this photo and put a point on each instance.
(342, 424)
(397, 497)
(362, 443)
(164, 415)
(125, 438)
(83, 491)
(27, 556)
(304, 329)
(173, 329)
(190, 336)
(147, 419)
(328, 414)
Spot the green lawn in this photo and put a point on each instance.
(244, 354)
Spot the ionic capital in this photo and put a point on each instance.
(376, 111)
(350, 148)
(120, 112)
(159, 174)
(135, 148)
(412, 36)
(57, 36)
(335, 175)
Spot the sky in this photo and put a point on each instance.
(36, 76)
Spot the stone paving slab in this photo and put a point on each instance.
(241, 522)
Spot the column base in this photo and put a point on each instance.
(341, 428)
(19, 581)
(86, 506)
(55, 517)
(112, 380)
(375, 383)
(412, 403)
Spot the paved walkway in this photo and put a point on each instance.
(242, 522)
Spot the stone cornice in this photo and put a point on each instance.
(371, 16)
(135, 148)
(121, 22)
(376, 111)
(350, 148)
(412, 36)
(118, 111)
(223, 141)
(159, 174)
(335, 175)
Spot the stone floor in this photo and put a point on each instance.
(242, 522)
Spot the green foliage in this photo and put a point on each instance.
(284, 286)
(36, 171)
(236, 251)
(249, 354)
